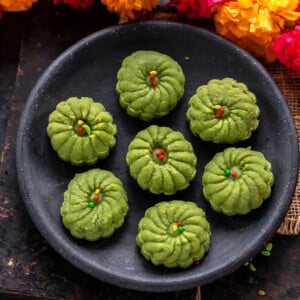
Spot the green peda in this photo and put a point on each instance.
(237, 180)
(223, 111)
(174, 234)
(81, 131)
(150, 84)
(95, 205)
(161, 160)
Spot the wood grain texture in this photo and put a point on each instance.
(29, 267)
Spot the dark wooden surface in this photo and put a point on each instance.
(29, 267)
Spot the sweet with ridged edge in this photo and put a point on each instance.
(95, 205)
(161, 160)
(175, 234)
(150, 84)
(81, 131)
(223, 111)
(237, 180)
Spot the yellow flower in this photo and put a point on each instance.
(16, 5)
(129, 9)
(255, 24)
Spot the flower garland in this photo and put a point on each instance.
(268, 29)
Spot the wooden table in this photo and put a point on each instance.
(29, 267)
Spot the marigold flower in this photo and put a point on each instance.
(129, 9)
(16, 5)
(76, 4)
(287, 49)
(255, 24)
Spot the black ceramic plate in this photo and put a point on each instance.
(89, 69)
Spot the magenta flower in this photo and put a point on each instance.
(287, 49)
(76, 4)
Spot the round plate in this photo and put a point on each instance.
(89, 69)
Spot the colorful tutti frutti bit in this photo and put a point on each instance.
(152, 76)
(219, 111)
(196, 262)
(160, 154)
(178, 227)
(228, 173)
(95, 198)
(83, 127)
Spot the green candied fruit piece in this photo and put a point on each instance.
(95, 205)
(161, 160)
(175, 234)
(223, 111)
(81, 131)
(237, 181)
(149, 84)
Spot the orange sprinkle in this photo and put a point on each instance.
(261, 293)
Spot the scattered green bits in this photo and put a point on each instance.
(252, 267)
(269, 247)
(266, 251)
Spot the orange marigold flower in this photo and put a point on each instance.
(129, 9)
(16, 5)
(255, 24)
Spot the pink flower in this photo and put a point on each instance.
(76, 4)
(287, 49)
(194, 9)
(214, 2)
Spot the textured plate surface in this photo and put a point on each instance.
(89, 69)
